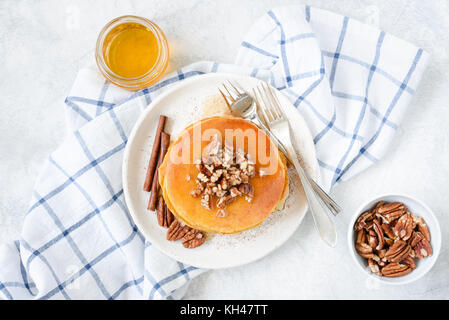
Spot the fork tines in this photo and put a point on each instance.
(233, 92)
(268, 102)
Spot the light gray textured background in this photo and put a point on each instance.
(44, 43)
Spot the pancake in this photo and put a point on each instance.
(269, 190)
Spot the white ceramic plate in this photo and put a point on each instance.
(182, 106)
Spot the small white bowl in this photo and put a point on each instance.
(419, 209)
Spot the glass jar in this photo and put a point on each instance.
(149, 77)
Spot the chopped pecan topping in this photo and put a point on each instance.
(234, 192)
(247, 189)
(224, 184)
(212, 149)
(224, 201)
(216, 175)
(221, 213)
(224, 174)
(196, 192)
(202, 177)
(228, 155)
(206, 200)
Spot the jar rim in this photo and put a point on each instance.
(148, 77)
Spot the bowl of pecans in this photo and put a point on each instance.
(394, 238)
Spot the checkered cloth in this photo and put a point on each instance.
(349, 81)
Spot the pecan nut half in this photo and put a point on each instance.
(381, 253)
(391, 211)
(423, 249)
(361, 221)
(373, 266)
(404, 227)
(392, 206)
(409, 262)
(372, 241)
(192, 239)
(395, 269)
(177, 230)
(388, 231)
(398, 251)
(388, 241)
(380, 236)
(378, 205)
(391, 216)
(415, 238)
(364, 250)
(422, 227)
(361, 236)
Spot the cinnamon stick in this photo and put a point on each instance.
(169, 217)
(164, 215)
(153, 202)
(161, 211)
(154, 154)
(165, 141)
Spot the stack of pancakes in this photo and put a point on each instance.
(177, 179)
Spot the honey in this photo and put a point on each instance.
(132, 52)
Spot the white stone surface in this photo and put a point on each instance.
(44, 43)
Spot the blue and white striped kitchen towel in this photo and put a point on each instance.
(351, 82)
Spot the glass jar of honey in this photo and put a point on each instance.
(132, 52)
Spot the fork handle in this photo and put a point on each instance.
(323, 223)
(328, 201)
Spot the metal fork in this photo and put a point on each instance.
(280, 127)
(243, 105)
